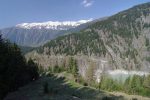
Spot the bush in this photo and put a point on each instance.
(134, 99)
(85, 84)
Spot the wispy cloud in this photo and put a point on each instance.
(87, 3)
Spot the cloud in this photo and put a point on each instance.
(87, 3)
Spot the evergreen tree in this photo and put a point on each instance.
(14, 70)
(73, 68)
(33, 69)
(90, 75)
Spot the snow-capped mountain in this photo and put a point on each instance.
(53, 25)
(36, 34)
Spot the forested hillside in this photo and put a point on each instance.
(118, 46)
(122, 40)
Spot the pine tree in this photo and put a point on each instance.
(75, 68)
(90, 74)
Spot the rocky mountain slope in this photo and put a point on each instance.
(122, 42)
(36, 34)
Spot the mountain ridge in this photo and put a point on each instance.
(36, 34)
(54, 25)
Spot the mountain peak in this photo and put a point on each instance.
(55, 25)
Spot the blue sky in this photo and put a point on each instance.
(13, 12)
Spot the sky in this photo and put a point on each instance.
(14, 12)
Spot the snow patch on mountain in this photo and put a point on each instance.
(54, 25)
